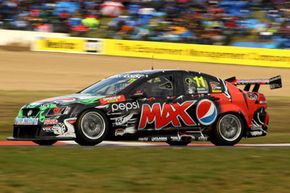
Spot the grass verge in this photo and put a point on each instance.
(93, 170)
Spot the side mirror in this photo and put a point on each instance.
(138, 95)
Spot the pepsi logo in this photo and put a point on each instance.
(206, 112)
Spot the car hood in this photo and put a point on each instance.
(66, 100)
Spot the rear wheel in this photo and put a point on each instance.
(228, 131)
(45, 142)
(92, 128)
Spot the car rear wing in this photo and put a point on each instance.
(275, 82)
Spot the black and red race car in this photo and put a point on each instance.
(174, 106)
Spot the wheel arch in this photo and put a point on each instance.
(97, 110)
(82, 137)
(235, 109)
(239, 114)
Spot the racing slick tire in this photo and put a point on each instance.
(45, 142)
(91, 128)
(228, 130)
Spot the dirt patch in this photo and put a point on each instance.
(15, 47)
(57, 71)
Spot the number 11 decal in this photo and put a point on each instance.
(199, 81)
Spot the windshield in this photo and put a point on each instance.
(113, 84)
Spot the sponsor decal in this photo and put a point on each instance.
(253, 81)
(112, 99)
(93, 46)
(202, 90)
(256, 133)
(125, 106)
(215, 87)
(206, 112)
(154, 139)
(26, 121)
(159, 138)
(198, 82)
(121, 131)
(29, 113)
(50, 121)
(58, 129)
(61, 44)
(161, 116)
(123, 119)
(48, 129)
(130, 75)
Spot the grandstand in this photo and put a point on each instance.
(257, 23)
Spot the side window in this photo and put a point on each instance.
(159, 87)
(215, 85)
(194, 83)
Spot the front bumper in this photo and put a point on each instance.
(57, 131)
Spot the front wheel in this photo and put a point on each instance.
(92, 128)
(45, 142)
(228, 131)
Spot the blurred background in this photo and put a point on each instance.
(225, 38)
(256, 23)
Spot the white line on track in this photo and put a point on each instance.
(118, 143)
(160, 144)
(265, 145)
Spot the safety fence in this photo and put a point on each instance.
(168, 51)
(8, 37)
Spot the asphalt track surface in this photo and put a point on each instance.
(138, 144)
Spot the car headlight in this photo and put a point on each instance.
(58, 111)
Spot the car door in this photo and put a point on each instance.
(198, 88)
(161, 109)
(158, 91)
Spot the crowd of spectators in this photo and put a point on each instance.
(220, 22)
(50, 15)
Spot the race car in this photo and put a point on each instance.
(174, 106)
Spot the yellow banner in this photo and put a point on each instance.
(71, 45)
(198, 53)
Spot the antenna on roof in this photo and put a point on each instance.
(152, 67)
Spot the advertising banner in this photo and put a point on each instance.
(198, 53)
(68, 45)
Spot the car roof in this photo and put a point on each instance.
(155, 71)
